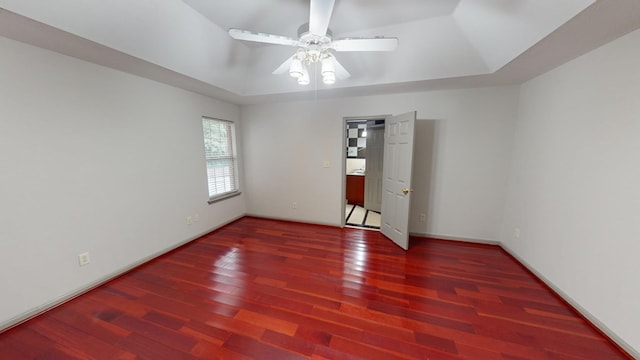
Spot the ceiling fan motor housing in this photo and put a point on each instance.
(307, 38)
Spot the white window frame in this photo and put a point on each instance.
(222, 181)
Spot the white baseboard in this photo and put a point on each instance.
(19, 319)
(457, 238)
(584, 312)
(67, 297)
(301, 221)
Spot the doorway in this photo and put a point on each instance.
(397, 154)
(363, 171)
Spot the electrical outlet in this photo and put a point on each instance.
(83, 259)
(326, 164)
(294, 205)
(516, 232)
(189, 220)
(423, 217)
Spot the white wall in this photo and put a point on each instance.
(92, 159)
(463, 143)
(575, 184)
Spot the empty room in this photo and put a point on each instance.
(319, 179)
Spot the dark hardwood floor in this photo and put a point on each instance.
(264, 289)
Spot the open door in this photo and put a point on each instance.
(396, 184)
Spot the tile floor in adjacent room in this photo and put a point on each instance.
(358, 216)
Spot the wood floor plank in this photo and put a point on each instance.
(268, 289)
(257, 350)
(268, 322)
(289, 343)
(74, 341)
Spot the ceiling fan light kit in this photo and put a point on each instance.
(303, 60)
(315, 45)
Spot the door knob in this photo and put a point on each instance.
(406, 191)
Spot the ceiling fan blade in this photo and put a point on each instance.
(262, 38)
(365, 44)
(284, 67)
(319, 16)
(341, 72)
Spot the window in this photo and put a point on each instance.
(220, 154)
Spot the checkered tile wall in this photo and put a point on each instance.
(356, 142)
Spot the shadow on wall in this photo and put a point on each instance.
(424, 165)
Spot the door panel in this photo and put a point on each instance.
(396, 184)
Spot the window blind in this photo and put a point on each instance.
(219, 148)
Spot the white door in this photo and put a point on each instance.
(396, 184)
(373, 174)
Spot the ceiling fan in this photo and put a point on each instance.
(316, 45)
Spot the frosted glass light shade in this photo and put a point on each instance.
(304, 79)
(327, 66)
(296, 70)
(329, 78)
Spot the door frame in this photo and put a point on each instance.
(343, 197)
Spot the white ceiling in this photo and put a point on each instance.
(443, 43)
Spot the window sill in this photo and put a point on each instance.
(223, 197)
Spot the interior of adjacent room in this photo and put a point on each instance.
(364, 184)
